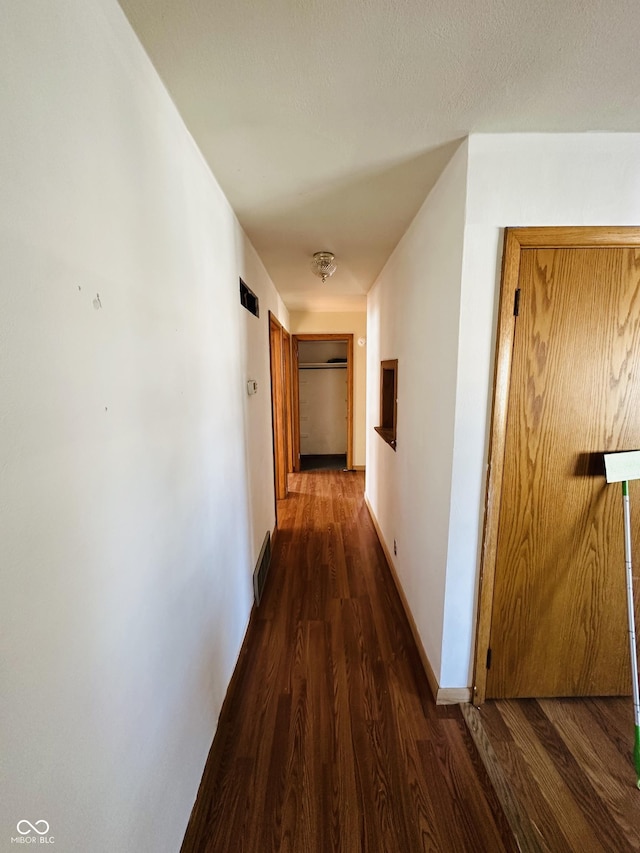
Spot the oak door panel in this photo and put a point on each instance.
(278, 406)
(559, 615)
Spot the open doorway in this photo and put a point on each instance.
(323, 401)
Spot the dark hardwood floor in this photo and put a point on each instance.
(563, 769)
(329, 738)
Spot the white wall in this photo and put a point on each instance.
(513, 180)
(254, 364)
(136, 476)
(355, 323)
(316, 352)
(322, 398)
(434, 307)
(413, 315)
(323, 410)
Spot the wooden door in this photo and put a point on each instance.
(278, 407)
(558, 619)
(288, 393)
(295, 401)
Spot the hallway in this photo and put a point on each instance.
(329, 738)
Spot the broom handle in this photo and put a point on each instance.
(632, 621)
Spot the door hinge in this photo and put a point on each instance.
(488, 658)
(516, 303)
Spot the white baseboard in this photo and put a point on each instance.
(441, 695)
(453, 695)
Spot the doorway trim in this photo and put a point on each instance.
(288, 396)
(322, 336)
(517, 239)
(279, 406)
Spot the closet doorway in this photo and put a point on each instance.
(323, 401)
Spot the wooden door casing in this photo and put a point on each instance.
(288, 397)
(347, 337)
(278, 407)
(567, 388)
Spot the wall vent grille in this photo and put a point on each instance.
(262, 568)
(249, 299)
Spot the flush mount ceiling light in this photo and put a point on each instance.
(323, 265)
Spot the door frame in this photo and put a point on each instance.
(515, 240)
(322, 336)
(279, 407)
(288, 396)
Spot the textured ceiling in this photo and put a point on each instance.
(327, 122)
